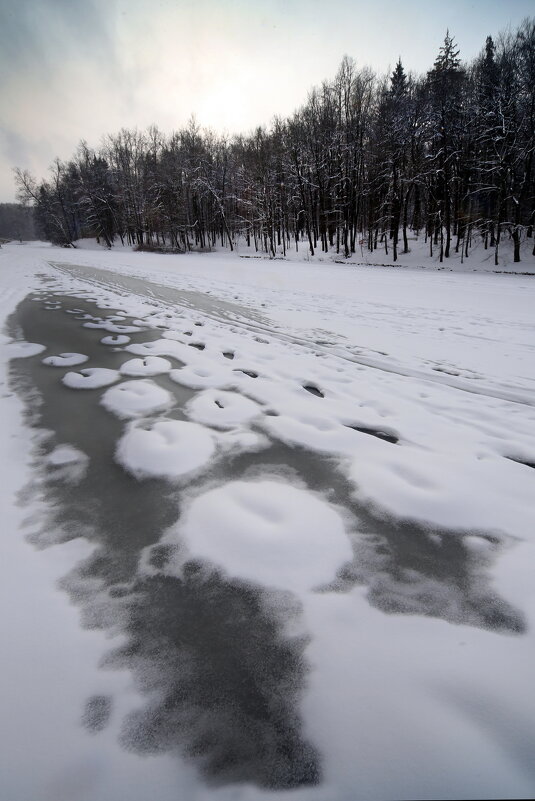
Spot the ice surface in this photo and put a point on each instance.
(268, 533)
(166, 448)
(65, 360)
(399, 705)
(91, 378)
(136, 398)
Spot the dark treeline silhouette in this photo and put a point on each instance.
(449, 155)
(16, 222)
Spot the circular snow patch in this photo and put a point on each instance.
(136, 398)
(67, 463)
(66, 454)
(113, 328)
(151, 365)
(116, 328)
(197, 377)
(90, 378)
(120, 339)
(222, 409)
(168, 448)
(268, 533)
(65, 360)
(20, 350)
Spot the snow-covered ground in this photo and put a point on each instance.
(397, 548)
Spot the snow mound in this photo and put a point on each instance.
(319, 433)
(163, 347)
(65, 360)
(447, 489)
(113, 328)
(119, 339)
(136, 398)
(222, 409)
(150, 365)
(167, 449)
(91, 378)
(196, 377)
(268, 533)
(68, 463)
(65, 454)
(240, 440)
(21, 350)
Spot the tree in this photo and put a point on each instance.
(445, 109)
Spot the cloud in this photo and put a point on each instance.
(73, 69)
(42, 35)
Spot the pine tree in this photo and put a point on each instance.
(445, 84)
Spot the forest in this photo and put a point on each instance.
(16, 222)
(365, 161)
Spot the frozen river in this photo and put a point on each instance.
(278, 630)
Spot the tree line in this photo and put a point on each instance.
(366, 160)
(16, 222)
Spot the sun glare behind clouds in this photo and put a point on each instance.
(76, 70)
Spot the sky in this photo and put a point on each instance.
(79, 69)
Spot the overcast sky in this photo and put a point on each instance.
(73, 69)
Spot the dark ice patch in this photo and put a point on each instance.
(222, 680)
(313, 390)
(250, 373)
(226, 685)
(387, 436)
(97, 713)
(525, 462)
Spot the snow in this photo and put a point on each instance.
(114, 328)
(241, 440)
(136, 398)
(162, 347)
(412, 705)
(48, 660)
(67, 463)
(65, 360)
(22, 350)
(65, 454)
(447, 489)
(267, 533)
(152, 365)
(197, 377)
(222, 409)
(91, 378)
(120, 339)
(413, 390)
(166, 448)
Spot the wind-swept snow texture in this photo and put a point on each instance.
(295, 513)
